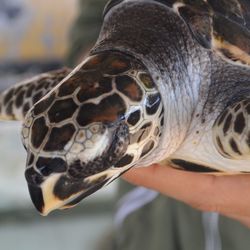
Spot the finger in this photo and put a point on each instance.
(224, 194)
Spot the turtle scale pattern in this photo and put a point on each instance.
(167, 84)
(71, 119)
(231, 131)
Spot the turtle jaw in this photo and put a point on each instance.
(50, 195)
(43, 197)
(46, 199)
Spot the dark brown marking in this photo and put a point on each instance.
(109, 109)
(234, 146)
(147, 148)
(47, 166)
(153, 103)
(40, 84)
(218, 140)
(147, 81)
(43, 105)
(248, 108)
(94, 62)
(9, 108)
(239, 123)
(237, 107)
(222, 118)
(37, 97)
(142, 134)
(26, 108)
(33, 177)
(19, 99)
(193, 167)
(46, 84)
(227, 123)
(8, 96)
(125, 160)
(91, 84)
(129, 87)
(39, 131)
(162, 121)
(59, 137)
(30, 160)
(95, 88)
(30, 90)
(17, 89)
(134, 118)
(62, 110)
(115, 64)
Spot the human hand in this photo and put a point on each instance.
(228, 195)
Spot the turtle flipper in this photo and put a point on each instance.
(222, 26)
(231, 131)
(17, 100)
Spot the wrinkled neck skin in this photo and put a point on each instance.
(178, 65)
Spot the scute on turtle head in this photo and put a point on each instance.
(78, 137)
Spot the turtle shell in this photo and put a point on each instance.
(220, 25)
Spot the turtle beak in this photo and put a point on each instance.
(59, 192)
(43, 196)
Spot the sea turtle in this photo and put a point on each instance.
(166, 81)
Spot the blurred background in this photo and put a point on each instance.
(38, 36)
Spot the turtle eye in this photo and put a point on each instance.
(110, 5)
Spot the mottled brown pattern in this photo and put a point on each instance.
(62, 110)
(129, 87)
(94, 88)
(115, 64)
(109, 110)
(94, 62)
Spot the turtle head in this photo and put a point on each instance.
(95, 125)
